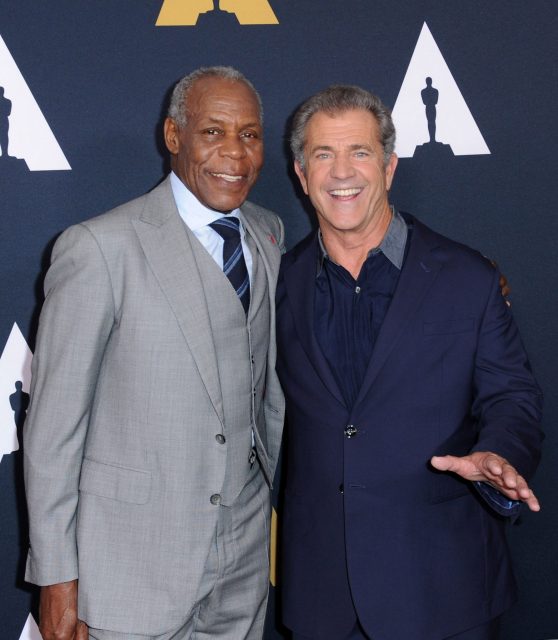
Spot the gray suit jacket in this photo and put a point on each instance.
(120, 451)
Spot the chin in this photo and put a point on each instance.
(225, 206)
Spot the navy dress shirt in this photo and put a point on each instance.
(348, 313)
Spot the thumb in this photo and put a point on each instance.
(443, 463)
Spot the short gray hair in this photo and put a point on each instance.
(177, 107)
(334, 100)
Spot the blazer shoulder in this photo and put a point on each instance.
(113, 231)
(450, 251)
(122, 214)
(260, 214)
(307, 244)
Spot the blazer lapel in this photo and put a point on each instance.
(300, 284)
(166, 242)
(419, 273)
(266, 249)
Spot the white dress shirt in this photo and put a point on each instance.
(198, 217)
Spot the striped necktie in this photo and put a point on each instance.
(234, 266)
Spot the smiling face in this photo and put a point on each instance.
(344, 174)
(218, 154)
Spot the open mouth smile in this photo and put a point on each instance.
(227, 177)
(345, 193)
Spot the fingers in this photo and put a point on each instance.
(515, 487)
(504, 286)
(500, 472)
(532, 502)
(522, 494)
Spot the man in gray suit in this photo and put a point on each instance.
(156, 415)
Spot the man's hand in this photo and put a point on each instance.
(484, 466)
(504, 284)
(58, 613)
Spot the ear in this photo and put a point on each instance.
(301, 176)
(390, 170)
(172, 140)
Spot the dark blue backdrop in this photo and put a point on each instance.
(100, 72)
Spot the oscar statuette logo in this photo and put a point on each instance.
(189, 13)
(15, 380)
(430, 114)
(26, 140)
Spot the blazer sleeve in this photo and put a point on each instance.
(74, 327)
(507, 398)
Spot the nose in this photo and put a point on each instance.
(233, 147)
(341, 167)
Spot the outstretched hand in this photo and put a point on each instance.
(484, 466)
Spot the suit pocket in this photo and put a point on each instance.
(115, 482)
(458, 325)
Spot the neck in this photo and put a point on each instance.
(351, 248)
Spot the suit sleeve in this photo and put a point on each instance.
(74, 327)
(507, 399)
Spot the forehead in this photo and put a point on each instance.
(352, 125)
(212, 95)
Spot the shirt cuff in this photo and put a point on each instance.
(498, 501)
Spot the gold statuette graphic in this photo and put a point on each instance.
(180, 13)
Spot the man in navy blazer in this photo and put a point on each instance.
(413, 416)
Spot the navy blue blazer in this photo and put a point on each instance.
(368, 524)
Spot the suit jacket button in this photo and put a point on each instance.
(350, 431)
(341, 488)
(220, 438)
(215, 499)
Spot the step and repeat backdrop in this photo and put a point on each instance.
(473, 86)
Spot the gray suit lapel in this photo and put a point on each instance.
(265, 244)
(167, 244)
(271, 259)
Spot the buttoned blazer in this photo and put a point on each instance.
(121, 458)
(424, 555)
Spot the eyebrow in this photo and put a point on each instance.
(212, 120)
(352, 147)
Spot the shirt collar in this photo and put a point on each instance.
(392, 245)
(195, 214)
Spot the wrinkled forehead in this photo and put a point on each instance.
(348, 121)
(209, 90)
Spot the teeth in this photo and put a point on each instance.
(345, 192)
(227, 177)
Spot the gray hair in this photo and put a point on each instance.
(177, 107)
(337, 99)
